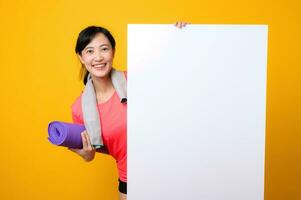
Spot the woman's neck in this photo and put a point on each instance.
(102, 85)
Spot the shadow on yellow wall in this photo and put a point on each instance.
(40, 81)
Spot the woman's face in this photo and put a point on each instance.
(98, 56)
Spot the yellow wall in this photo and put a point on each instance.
(39, 81)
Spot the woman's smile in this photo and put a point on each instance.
(99, 66)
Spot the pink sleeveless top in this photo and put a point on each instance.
(113, 120)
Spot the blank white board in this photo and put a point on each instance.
(196, 112)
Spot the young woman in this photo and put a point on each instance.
(95, 48)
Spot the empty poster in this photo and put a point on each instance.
(196, 112)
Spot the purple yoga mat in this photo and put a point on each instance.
(65, 134)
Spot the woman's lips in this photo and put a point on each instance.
(99, 66)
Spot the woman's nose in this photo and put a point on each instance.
(98, 55)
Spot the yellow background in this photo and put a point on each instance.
(39, 81)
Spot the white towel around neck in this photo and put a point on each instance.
(90, 108)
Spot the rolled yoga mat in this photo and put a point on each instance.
(65, 134)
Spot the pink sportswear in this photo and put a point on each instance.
(113, 120)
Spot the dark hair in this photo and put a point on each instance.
(84, 38)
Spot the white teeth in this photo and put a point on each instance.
(100, 65)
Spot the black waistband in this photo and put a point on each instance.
(122, 186)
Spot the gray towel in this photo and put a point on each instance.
(89, 105)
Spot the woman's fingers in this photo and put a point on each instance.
(88, 140)
(87, 152)
(176, 24)
(181, 24)
(85, 141)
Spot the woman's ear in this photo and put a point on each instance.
(113, 53)
(80, 58)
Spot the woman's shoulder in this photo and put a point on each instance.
(76, 105)
(123, 71)
(77, 113)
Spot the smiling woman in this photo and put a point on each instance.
(96, 48)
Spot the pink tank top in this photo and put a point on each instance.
(113, 120)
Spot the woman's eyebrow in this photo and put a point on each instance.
(88, 47)
(104, 45)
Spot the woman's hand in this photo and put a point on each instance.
(181, 24)
(87, 152)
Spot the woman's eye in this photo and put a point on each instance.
(105, 49)
(90, 51)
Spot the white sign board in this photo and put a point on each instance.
(196, 112)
